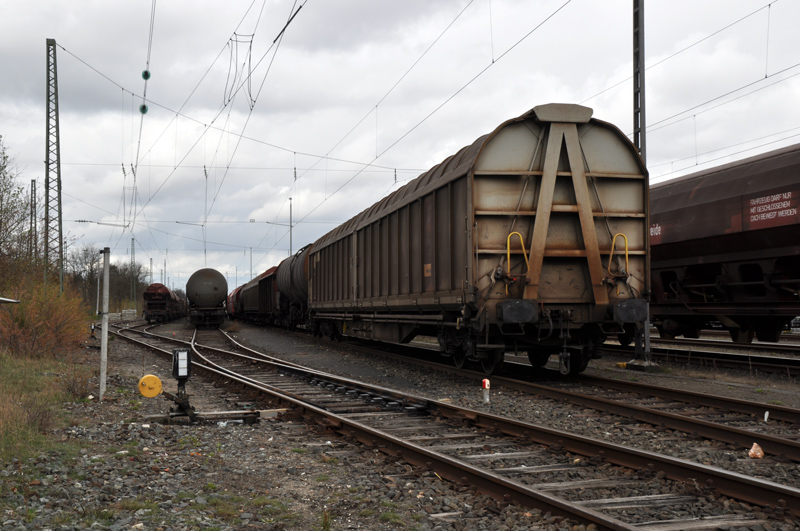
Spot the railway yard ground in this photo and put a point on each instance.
(133, 473)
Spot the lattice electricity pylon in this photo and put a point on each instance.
(33, 242)
(53, 239)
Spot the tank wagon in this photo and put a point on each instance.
(533, 238)
(207, 292)
(726, 248)
(292, 283)
(161, 304)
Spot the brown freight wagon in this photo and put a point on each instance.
(533, 238)
(726, 248)
(250, 298)
(269, 297)
(161, 304)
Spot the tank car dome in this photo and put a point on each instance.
(207, 288)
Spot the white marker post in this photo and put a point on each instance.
(104, 332)
(485, 389)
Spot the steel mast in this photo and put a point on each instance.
(53, 235)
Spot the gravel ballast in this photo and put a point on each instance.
(117, 470)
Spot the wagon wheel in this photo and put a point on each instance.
(460, 355)
(771, 335)
(578, 363)
(539, 358)
(741, 335)
(492, 363)
(626, 335)
(664, 334)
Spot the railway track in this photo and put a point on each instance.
(685, 354)
(788, 348)
(785, 336)
(737, 423)
(513, 461)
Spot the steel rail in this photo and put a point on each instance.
(748, 489)
(721, 359)
(744, 438)
(737, 436)
(716, 343)
(747, 407)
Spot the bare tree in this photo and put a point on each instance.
(14, 210)
(84, 268)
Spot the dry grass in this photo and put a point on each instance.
(73, 381)
(32, 391)
(27, 410)
(40, 339)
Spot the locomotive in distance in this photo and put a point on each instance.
(726, 248)
(532, 238)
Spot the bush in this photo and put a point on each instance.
(44, 323)
(74, 381)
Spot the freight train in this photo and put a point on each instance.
(161, 304)
(533, 238)
(726, 248)
(207, 291)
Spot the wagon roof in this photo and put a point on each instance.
(157, 287)
(455, 166)
(747, 176)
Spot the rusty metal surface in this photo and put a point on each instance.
(248, 296)
(532, 211)
(726, 247)
(268, 296)
(232, 303)
(421, 238)
(157, 291)
(757, 193)
(293, 276)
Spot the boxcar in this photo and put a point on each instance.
(726, 248)
(533, 238)
(269, 298)
(250, 299)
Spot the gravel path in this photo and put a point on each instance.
(114, 470)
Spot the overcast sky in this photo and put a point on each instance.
(239, 122)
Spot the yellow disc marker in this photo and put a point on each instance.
(150, 386)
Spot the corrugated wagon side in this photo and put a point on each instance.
(532, 238)
(269, 297)
(251, 298)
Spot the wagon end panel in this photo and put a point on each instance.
(560, 229)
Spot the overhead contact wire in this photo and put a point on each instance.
(445, 102)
